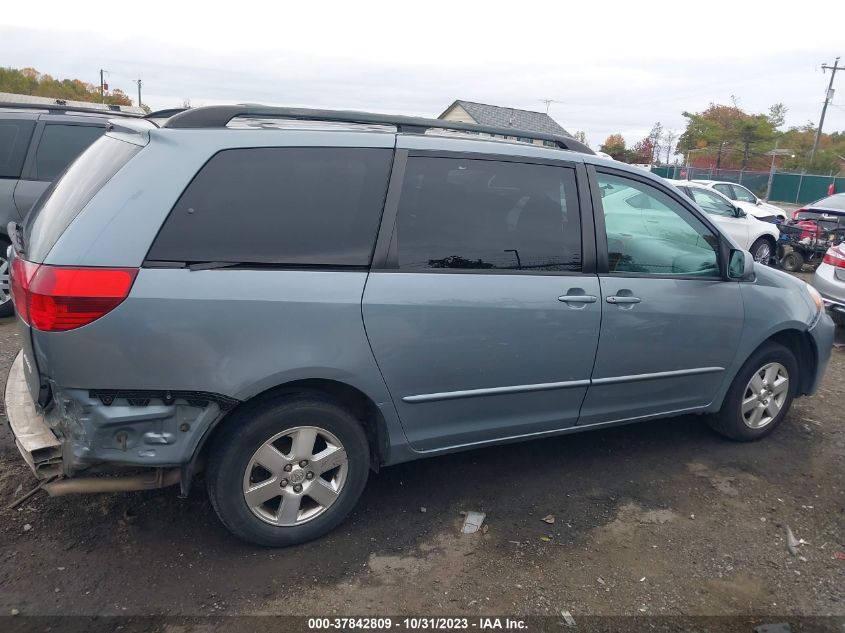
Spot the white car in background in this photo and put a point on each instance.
(744, 198)
(756, 236)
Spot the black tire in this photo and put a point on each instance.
(7, 309)
(729, 421)
(758, 244)
(838, 318)
(247, 430)
(792, 262)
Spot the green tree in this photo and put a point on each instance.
(828, 158)
(727, 131)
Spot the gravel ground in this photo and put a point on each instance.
(660, 518)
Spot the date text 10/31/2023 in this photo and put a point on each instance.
(417, 624)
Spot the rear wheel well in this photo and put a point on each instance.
(353, 400)
(799, 344)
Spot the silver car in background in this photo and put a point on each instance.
(830, 282)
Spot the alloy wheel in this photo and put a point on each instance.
(295, 476)
(763, 253)
(765, 395)
(5, 288)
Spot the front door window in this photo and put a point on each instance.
(650, 233)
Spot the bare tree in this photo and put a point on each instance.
(669, 138)
(655, 137)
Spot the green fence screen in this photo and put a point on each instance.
(792, 188)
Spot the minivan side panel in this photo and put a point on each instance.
(489, 349)
(475, 358)
(666, 354)
(234, 333)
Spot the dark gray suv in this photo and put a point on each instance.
(39, 138)
(292, 298)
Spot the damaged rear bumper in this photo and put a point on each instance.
(37, 443)
(155, 433)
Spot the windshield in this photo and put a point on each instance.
(67, 196)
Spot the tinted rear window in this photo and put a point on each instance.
(67, 196)
(60, 144)
(14, 141)
(279, 205)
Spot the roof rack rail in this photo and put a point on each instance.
(220, 116)
(164, 114)
(60, 106)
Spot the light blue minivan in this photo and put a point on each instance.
(291, 298)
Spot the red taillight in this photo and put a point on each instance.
(22, 273)
(60, 298)
(835, 257)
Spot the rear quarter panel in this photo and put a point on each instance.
(231, 332)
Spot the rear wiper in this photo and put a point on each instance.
(15, 233)
(214, 265)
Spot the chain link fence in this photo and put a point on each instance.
(786, 187)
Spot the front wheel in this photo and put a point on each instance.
(761, 250)
(760, 395)
(287, 470)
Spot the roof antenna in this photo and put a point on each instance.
(549, 102)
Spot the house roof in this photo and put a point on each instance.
(499, 116)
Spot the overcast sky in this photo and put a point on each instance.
(611, 66)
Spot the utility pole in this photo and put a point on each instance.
(139, 82)
(102, 87)
(827, 98)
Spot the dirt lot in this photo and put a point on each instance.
(661, 518)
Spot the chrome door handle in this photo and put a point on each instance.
(622, 299)
(577, 298)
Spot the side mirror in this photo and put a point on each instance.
(740, 212)
(740, 265)
(759, 202)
